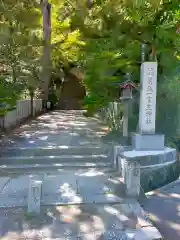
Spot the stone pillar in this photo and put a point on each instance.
(34, 195)
(147, 111)
(117, 151)
(130, 172)
(146, 139)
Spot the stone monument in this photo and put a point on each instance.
(147, 139)
(148, 154)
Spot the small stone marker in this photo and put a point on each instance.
(34, 195)
(147, 114)
(131, 177)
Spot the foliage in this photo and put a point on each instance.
(168, 109)
(8, 99)
(20, 46)
(52, 96)
(112, 116)
(104, 38)
(114, 30)
(65, 41)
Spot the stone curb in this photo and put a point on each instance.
(146, 230)
(163, 188)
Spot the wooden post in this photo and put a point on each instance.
(125, 119)
(126, 96)
(31, 94)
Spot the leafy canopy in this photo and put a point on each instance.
(20, 46)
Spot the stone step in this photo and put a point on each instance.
(72, 159)
(52, 151)
(17, 168)
(11, 171)
(35, 143)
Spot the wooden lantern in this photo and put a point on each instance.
(126, 90)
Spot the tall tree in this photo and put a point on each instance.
(114, 31)
(66, 39)
(46, 57)
(20, 43)
(105, 38)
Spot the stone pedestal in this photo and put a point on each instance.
(146, 142)
(132, 164)
(148, 152)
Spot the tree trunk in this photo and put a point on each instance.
(46, 70)
(32, 103)
(46, 58)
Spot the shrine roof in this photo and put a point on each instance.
(128, 84)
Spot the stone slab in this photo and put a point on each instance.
(17, 186)
(59, 199)
(13, 201)
(102, 198)
(96, 184)
(59, 183)
(146, 142)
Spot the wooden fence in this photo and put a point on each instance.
(22, 112)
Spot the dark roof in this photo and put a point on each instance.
(128, 84)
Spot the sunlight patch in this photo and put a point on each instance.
(44, 138)
(175, 195)
(90, 173)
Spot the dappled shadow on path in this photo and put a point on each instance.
(76, 222)
(56, 128)
(87, 221)
(163, 207)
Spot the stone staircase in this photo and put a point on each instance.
(55, 157)
(64, 151)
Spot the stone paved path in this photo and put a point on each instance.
(56, 140)
(163, 207)
(66, 187)
(57, 128)
(88, 203)
(87, 222)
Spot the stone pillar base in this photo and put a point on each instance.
(146, 142)
(131, 165)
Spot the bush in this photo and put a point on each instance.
(168, 107)
(167, 110)
(112, 116)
